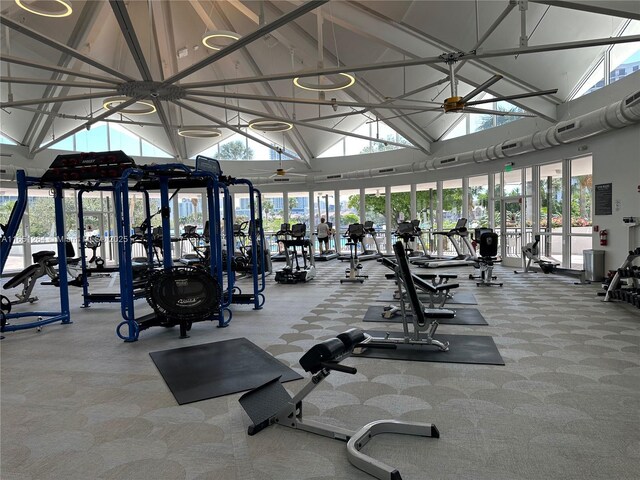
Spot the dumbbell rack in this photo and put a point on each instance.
(626, 271)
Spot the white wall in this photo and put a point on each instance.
(616, 160)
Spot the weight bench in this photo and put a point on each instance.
(271, 403)
(438, 293)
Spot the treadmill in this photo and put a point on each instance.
(283, 234)
(331, 253)
(408, 232)
(370, 254)
(461, 259)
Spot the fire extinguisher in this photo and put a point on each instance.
(603, 238)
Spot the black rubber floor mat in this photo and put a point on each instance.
(464, 316)
(215, 369)
(459, 298)
(476, 349)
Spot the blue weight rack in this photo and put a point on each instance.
(8, 237)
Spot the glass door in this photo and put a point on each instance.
(511, 231)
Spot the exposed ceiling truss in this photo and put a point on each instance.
(174, 92)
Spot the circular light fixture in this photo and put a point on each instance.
(218, 39)
(336, 83)
(47, 8)
(139, 107)
(199, 132)
(268, 125)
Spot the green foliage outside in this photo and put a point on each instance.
(486, 121)
(375, 147)
(235, 150)
(271, 218)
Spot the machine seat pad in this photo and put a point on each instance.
(449, 275)
(438, 313)
(426, 276)
(327, 351)
(21, 277)
(351, 338)
(428, 287)
(38, 256)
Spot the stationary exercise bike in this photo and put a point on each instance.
(93, 243)
(487, 257)
(355, 233)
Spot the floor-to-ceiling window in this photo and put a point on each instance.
(550, 215)
(427, 210)
(349, 213)
(299, 208)
(478, 202)
(451, 210)
(15, 259)
(581, 185)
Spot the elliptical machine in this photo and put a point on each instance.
(356, 234)
(293, 272)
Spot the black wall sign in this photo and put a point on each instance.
(604, 194)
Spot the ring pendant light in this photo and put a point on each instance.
(140, 107)
(218, 39)
(62, 8)
(269, 125)
(199, 132)
(338, 84)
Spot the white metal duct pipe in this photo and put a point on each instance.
(614, 116)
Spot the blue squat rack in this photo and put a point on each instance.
(8, 238)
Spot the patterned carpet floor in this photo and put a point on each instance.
(78, 403)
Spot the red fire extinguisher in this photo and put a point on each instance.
(603, 238)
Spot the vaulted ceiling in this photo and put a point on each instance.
(56, 72)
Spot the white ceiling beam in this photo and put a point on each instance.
(38, 129)
(69, 98)
(163, 36)
(419, 61)
(23, 29)
(305, 101)
(227, 125)
(293, 136)
(293, 122)
(53, 82)
(128, 32)
(88, 124)
(412, 43)
(57, 69)
(247, 39)
(417, 137)
(618, 8)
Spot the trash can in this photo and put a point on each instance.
(593, 265)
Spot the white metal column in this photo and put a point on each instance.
(336, 226)
(566, 213)
(312, 214)
(285, 207)
(362, 206)
(413, 202)
(387, 216)
(465, 197)
(491, 205)
(205, 208)
(175, 216)
(439, 220)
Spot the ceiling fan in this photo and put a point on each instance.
(281, 172)
(457, 104)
